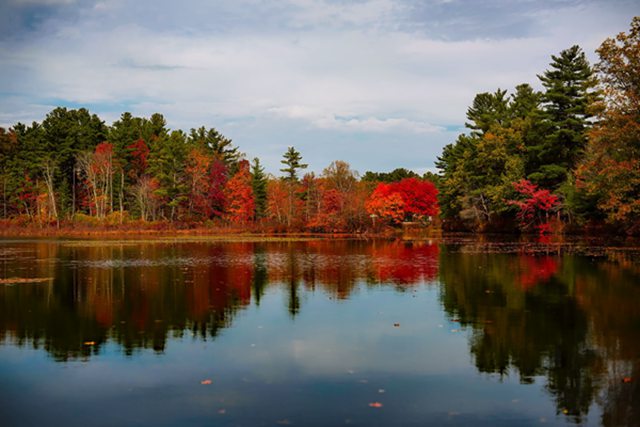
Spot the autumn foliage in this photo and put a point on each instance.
(534, 206)
(238, 192)
(408, 199)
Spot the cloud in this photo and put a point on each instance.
(353, 79)
(328, 120)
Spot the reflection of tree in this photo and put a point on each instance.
(404, 263)
(610, 292)
(292, 282)
(543, 317)
(138, 294)
(260, 276)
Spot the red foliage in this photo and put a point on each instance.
(403, 200)
(217, 181)
(329, 215)
(239, 195)
(535, 207)
(27, 193)
(386, 204)
(420, 197)
(207, 178)
(139, 153)
(405, 264)
(535, 270)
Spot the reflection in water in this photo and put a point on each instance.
(138, 295)
(566, 318)
(570, 322)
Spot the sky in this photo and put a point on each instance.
(380, 84)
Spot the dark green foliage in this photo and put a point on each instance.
(259, 185)
(395, 175)
(488, 110)
(217, 144)
(567, 103)
(529, 134)
(61, 137)
(477, 171)
(292, 161)
(167, 160)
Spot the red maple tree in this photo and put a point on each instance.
(408, 199)
(534, 207)
(239, 195)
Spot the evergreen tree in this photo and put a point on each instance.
(217, 144)
(395, 175)
(488, 109)
(259, 185)
(167, 162)
(292, 159)
(567, 103)
(64, 135)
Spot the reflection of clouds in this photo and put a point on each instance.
(357, 335)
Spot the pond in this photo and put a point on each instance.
(318, 333)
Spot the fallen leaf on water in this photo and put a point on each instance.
(397, 325)
(375, 405)
(284, 422)
(205, 382)
(222, 411)
(89, 343)
(627, 379)
(565, 411)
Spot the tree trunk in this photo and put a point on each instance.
(48, 177)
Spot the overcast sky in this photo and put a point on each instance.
(378, 83)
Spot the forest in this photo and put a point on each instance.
(560, 160)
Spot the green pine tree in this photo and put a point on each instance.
(259, 185)
(567, 100)
(292, 159)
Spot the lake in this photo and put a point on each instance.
(318, 333)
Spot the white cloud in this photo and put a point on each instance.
(329, 120)
(359, 74)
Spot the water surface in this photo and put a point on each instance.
(318, 333)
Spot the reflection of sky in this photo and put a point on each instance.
(321, 368)
(377, 83)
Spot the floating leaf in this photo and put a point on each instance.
(375, 405)
(89, 343)
(205, 382)
(627, 380)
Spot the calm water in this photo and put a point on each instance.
(319, 333)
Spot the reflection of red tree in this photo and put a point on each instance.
(217, 283)
(535, 270)
(240, 270)
(405, 264)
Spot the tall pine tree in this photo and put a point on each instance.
(259, 184)
(567, 100)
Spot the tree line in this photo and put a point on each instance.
(73, 168)
(566, 157)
